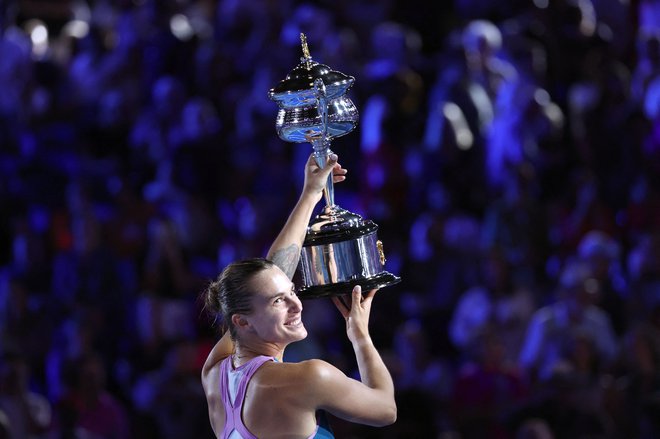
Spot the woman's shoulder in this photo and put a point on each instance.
(303, 384)
(302, 373)
(212, 365)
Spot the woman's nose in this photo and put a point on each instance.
(296, 304)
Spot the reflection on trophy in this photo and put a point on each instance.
(341, 249)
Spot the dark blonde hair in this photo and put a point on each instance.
(230, 294)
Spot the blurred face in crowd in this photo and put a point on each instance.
(582, 295)
(13, 376)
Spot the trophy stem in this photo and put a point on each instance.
(320, 142)
(321, 154)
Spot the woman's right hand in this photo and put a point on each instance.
(316, 177)
(356, 312)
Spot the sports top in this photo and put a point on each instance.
(233, 384)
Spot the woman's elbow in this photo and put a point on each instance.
(388, 416)
(392, 415)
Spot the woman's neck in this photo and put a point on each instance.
(246, 351)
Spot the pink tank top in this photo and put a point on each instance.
(233, 384)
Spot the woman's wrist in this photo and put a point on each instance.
(362, 341)
(310, 196)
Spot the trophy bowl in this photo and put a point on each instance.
(298, 124)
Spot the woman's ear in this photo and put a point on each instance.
(239, 321)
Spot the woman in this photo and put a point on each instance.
(249, 390)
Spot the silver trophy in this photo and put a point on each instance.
(341, 248)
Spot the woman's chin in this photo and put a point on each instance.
(302, 334)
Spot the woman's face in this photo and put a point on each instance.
(277, 310)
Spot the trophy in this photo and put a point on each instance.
(341, 249)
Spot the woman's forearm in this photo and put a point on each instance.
(373, 372)
(285, 250)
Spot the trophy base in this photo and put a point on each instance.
(381, 280)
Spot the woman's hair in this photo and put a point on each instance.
(231, 293)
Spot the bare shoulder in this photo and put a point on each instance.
(304, 373)
(209, 375)
(313, 374)
(318, 369)
(212, 364)
(305, 384)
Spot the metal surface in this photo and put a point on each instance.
(298, 88)
(300, 123)
(381, 280)
(329, 269)
(336, 224)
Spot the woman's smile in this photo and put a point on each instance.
(297, 322)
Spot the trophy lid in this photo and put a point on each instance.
(335, 224)
(297, 89)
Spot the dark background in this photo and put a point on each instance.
(508, 151)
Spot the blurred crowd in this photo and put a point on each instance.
(508, 151)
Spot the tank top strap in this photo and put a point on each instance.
(247, 370)
(230, 422)
(233, 409)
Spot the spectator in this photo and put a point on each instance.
(499, 304)
(5, 426)
(488, 388)
(88, 408)
(573, 311)
(534, 429)
(632, 394)
(172, 398)
(28, 413)
(644, 268)
(602, 253)
(420, 370)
